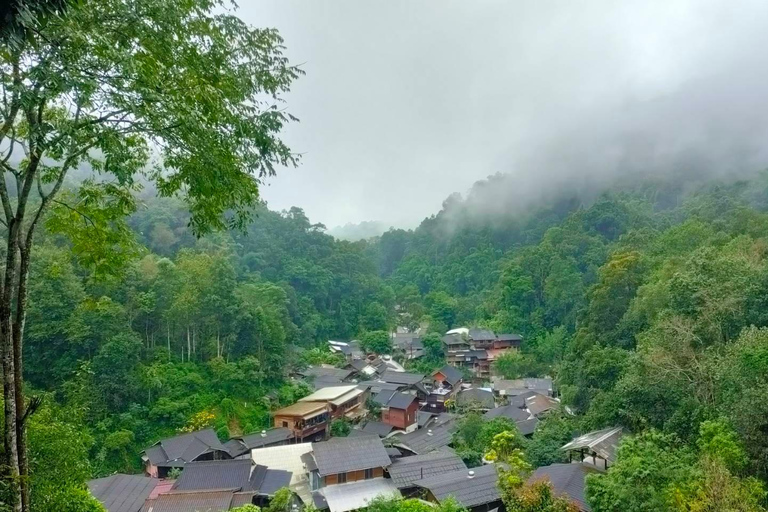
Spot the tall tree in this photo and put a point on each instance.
(182, 91)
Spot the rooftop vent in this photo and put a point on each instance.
(471, 474)
(429, 432)
(263, 433)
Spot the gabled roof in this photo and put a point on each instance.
(287, 458)
(539, 404)
(199, 501)
(237, 475)
(476, 397)
(568, 480)
(454, 339)
(122, 493)
(404, 378)
(378, 387)
(507, 411)
(470, 491)
(521, 399)
(509, 337)
(477, 334)
(177, 451)
(424, 417)
(406, 471)
(335, 395)
(394, 399)
(603, 442)
(426, 440)
(452, 375)
(378, 428)
(343, 454)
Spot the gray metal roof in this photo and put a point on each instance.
(358, 495)
(267, 482)
(604, 443)
(509, 337)
(343, 454)
(378, 428)
(407, 470)
(507, 411)
(477, 334)
(476, 397)
(216, 474)
(394, 399)
(453, 339)
(178, 450)
(199, 501)
(452, 375)
(426, 440)
(122, 493)
(405, 378)
(323, 371)
(424, 417)
(469, 491)
(567, 480)
(539, 404)
(269, 437)
(519, 400)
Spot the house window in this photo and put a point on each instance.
(285, 424)
(342, 478)
(368, 474)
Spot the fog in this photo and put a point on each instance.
(404, 103)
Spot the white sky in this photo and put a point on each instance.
(405, 102)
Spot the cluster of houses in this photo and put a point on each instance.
(399, 445)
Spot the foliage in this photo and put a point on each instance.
(386, 504)
(378, 342)
(340, 428)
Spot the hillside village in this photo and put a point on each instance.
(369, 429)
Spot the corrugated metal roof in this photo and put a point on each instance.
(470, 492)
(287, 458)
(329, 393)
(507, 411)
(304, 409)
(378, 428)
(539, 404)
(343, 454)
(266, 437)
(567, 480)
(407, 470)
(216, 474)
(357, 495)
(197, 501)
(477, 334)
(404, 378)
(122, 493)
(426, 440)
(527, 427)
(603, 442)
(175, 451)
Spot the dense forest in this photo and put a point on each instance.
(646, 306)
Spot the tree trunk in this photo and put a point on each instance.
(18, 336)
(10, 440)
(189, 345)
(168, 327)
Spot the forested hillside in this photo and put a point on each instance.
(646, 311)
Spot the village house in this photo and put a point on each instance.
(475, 349)
(398, 409)
(425, 440)
(476, 489)
(306, 420)
(343, 401)
(176, 452)
(349, 472)
(445, 383)
(292, 459)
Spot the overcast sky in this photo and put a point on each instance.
(405, 102)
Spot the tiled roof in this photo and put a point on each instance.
(527, 427)
(122, 493)
(324, 371)
(479, 489)
(401, 377)
(266, 481)
(343, 454)
(268, 437)
(539, 404)
(407, 470)
(567, 480)
(178, 450)
(603, 442)
(453, 339)
(509, 337)
(520, 400)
